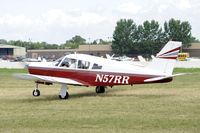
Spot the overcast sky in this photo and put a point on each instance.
(56, 21)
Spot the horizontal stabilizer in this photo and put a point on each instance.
(155, 79)
(163, 77)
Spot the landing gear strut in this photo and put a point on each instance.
(63, 92)
(100, 89)
(36, 92)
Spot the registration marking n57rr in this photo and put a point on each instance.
(112, 79)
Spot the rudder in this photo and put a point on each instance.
(166, 58)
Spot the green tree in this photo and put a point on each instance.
(77, 40)
(123, 36)
(101, 41)
(151, 37)
(74, 42)
(128, 38)
(33, 45)
(179, 31)
(3, 41)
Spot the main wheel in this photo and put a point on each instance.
(65, 97)
(36, 93)
(100, 89)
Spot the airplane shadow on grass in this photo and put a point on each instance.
(109, 93)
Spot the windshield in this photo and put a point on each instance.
(57, 62)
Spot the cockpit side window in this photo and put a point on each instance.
(83, 64)
(72, 63)
(67, 62)
(96, 66)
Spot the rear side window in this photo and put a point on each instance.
(96, 66)
(83, 64)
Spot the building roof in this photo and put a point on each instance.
(53, 50)
(82, 48)
(95, 47)
(9, 46)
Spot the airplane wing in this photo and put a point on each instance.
(48, 79)
(163, 77)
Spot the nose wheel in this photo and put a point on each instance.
(36, 92)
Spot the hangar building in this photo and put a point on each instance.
(9, 50)
(97, 50)
(193, 50)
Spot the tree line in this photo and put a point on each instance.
(149, 37)
(128, 37)
(72, 43)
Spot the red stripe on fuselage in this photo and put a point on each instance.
(88, 78)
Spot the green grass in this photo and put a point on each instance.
(172, 107)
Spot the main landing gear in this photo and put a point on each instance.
(63, 92)
(100, 89)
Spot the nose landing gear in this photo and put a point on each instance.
(36, 92)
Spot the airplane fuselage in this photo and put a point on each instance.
(93, 78)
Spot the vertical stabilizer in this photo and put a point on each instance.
(166, 58)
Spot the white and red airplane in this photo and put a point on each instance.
(87, 70)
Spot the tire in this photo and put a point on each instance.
(36, 93)
(65, 97)
(100, 89)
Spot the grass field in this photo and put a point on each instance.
(172, 107)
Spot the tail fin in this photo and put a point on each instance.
(166, 58)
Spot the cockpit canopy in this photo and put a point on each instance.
(72, 63)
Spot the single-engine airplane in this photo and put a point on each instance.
(87, 70)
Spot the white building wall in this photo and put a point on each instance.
(19, 51)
